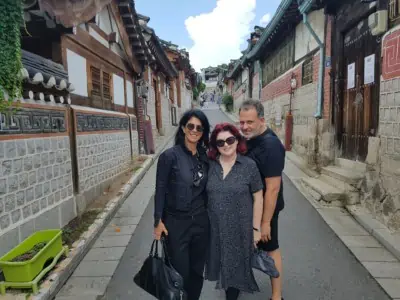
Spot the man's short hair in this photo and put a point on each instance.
(253, 104)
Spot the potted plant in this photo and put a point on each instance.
(227, 100)
(27, 260)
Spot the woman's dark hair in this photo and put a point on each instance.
(196, 113)
(241, 147)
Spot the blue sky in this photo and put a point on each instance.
(214, 31)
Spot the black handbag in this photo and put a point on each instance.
(264, 263)
(158, 277)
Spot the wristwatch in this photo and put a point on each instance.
(156, 222)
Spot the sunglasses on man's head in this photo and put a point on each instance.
(191, 127)
(230, 141)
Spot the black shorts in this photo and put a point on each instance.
(272, 244)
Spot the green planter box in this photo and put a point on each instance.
(26, 271)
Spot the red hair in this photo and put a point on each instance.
(223, 127)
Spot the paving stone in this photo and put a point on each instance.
(347, 226)
(5, 221)
(30, 146)
(125, 221)
(6, 167)
(96, 268)
(17, 166)
(104, 254)
(28, 163)
(373, 254)
(10, 149)
(123, 230)
(3, 186)
(21, 147)
(81, 287)
(16, 215)
(383, 269)
(112, 241)
(391, 286)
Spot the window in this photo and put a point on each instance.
(279, 61)
(308, 71)
(394, 10)
(100, 84)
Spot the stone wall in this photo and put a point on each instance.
(381, 185)
(47, 177)
(36, 189)
(103, 150)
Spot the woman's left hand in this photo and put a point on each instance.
(257, 237)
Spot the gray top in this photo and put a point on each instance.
(230, 206)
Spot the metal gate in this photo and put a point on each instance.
(361, 63)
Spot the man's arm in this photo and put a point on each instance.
(270, 197)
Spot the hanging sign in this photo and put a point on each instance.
(369, 69)
(351, 76)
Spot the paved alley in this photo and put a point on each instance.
(317, 265)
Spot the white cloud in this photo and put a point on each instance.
(217, 35)
(265, 19)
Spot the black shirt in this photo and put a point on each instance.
(177, 191)
(269, 154)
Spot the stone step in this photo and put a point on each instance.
(328, 193)
(300, 163)
(350, 176)
(353, 195)
(351, 164)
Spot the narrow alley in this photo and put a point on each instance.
(317, 265)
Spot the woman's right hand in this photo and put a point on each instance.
(159, 230)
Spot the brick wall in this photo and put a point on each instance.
(36, 189)
(103, 151)
(381, 185)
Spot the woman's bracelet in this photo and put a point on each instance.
(256, 229)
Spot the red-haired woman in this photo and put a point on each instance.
(235, 205)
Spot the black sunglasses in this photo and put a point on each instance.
(230, 141)
(191, 127)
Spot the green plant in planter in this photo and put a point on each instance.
(11, 19)
(227, 100)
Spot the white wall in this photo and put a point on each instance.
(118, 86)
(305, 42)
(77, 73)
(129, 94)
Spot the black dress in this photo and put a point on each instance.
(230, 208)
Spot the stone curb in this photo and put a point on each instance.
(59, 276)
(230, 116)
(372, 226)
(377, 230)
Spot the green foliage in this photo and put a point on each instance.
(201, 88)
(11, 19)
(227, 100)
(195, 93)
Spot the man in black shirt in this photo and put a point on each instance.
(269, 154)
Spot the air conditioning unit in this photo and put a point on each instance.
(378, 22)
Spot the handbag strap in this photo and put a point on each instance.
(152, 253)
(165, 252)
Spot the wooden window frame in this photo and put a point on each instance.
(280, 61)
(394, 11)
(307, 75)
(106, 93)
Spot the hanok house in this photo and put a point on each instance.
(55, 157)
(365, 103)
(181, 88)
(159, 72)
(245, 76)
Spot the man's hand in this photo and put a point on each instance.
(257, 237)
(266, 231)
(159, 230)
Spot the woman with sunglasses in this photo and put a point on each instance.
(235, 204)
(180, 200)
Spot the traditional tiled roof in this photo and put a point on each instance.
(50, 79)
(130, 18)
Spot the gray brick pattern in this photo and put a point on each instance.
(101, 157)
(35, 174)
(389, 117)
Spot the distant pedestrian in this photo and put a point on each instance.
(235, 203)
(180, 200)
(269, 154)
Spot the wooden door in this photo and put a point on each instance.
(361, 53)
(157, 104)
